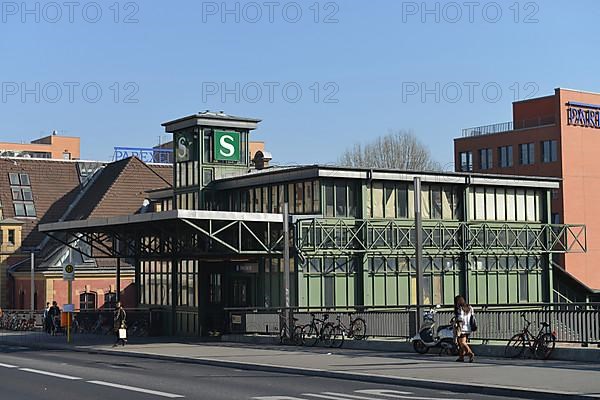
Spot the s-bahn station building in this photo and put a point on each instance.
(358, 237)
(553, 136)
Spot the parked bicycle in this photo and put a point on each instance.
(290, 335)
(540, 346)
(317, 330)
(356, 329)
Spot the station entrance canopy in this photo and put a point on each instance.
(198, 233)
(180, 233)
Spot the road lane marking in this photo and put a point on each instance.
(136, 389)
(351, 396)
(37, 371)
(395, 394)
(8, 366)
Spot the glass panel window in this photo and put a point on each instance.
(24, 180)
(505, 155)
(340, 200)
(110, 299)
(16, 194)
(329, 201)
(527, 153)
(436, 202)
(352, 200)
(402, 202)
(316, 197)
(377, 192)
(30, 209)
(299, 198)
(87, 301)
(549, 151)
(308, 198)
(14, 179)
(20, 210)
(485, 158)
(390, 201)
(466, 161)
(27, 195)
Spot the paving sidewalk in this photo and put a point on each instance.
(527, 378)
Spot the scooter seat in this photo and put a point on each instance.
(441, 327)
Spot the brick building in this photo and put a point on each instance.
(34, 191)
(54, 146)
(551, 136)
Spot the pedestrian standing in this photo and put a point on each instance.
(119, 322)
(54, 314)
(47, 318)
(464, 318)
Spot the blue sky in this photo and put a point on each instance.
(361, 68)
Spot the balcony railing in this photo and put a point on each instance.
(508, 126)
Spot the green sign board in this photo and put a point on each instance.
(227, 146)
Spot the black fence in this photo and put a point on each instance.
(573, 323)
(140, 322)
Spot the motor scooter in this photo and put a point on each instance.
(429, 337)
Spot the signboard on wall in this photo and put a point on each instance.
(227, 146)
(582, 114)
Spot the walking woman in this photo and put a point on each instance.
(119, 323)
(464, 314)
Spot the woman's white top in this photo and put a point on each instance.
(465, 319)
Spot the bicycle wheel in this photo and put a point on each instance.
(297, 336)
(358, 329)
(338, 337)
(283, 336)
(327, 334)
(544, 346)
(515, 346)
(310, 336)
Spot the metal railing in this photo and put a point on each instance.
(573, 322)
(508, 126)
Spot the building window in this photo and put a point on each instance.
(527, 153)
(505, 155)
(110, 300)
(466, 161)
(87, 301)
(20, 187)
(549, 151)
(11, 237)
(485, 158)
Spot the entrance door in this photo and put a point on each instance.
(240, 292)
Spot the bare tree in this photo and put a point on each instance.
(396, 150)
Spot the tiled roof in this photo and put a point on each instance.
(117, 189)
(54, 184)
(120, 189)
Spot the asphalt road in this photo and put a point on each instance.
(27, 374)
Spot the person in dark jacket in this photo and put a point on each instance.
(54, 314)
(119, 322)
